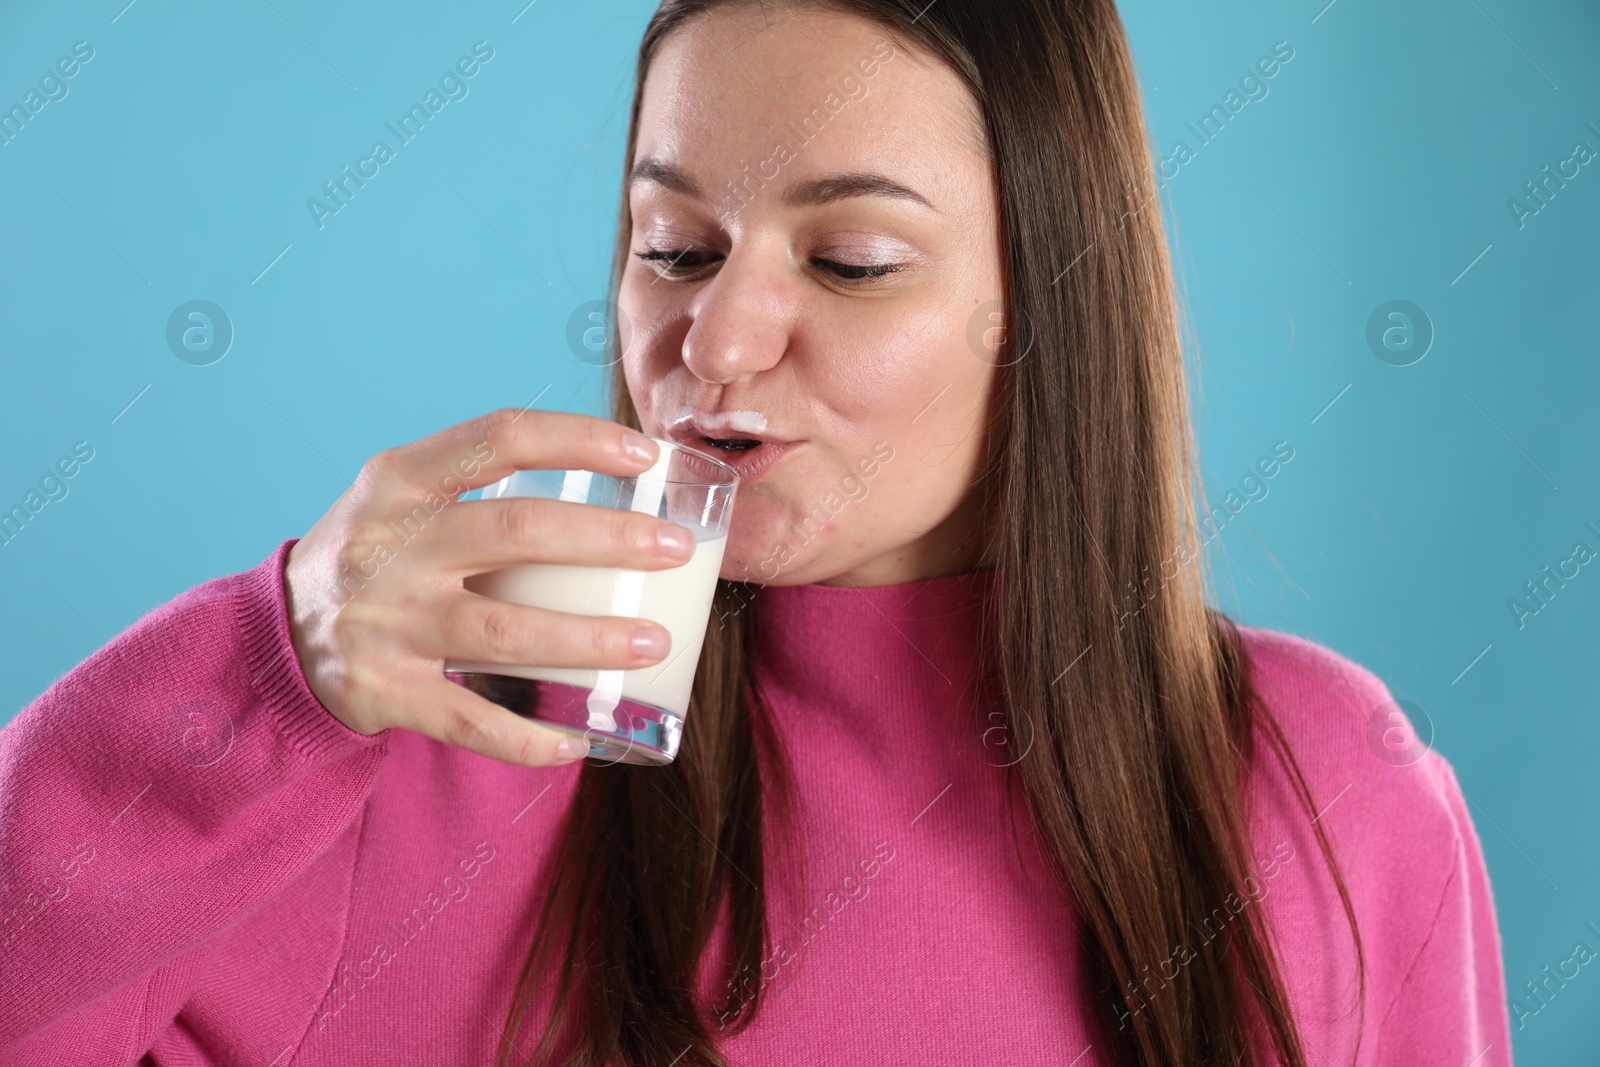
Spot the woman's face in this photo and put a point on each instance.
(814, 240)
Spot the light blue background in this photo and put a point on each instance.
(1378, 167)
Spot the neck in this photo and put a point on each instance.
(874, 662)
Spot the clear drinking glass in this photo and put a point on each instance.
(628, 716)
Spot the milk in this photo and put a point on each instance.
(679, 598)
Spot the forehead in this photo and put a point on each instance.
(736, 88)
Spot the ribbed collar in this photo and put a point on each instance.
(871, 657)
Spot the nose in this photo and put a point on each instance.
(742, 320)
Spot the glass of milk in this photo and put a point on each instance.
(627, 716)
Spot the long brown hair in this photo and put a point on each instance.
(1141, 753)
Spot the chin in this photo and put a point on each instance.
(801, 569)
(767, 545)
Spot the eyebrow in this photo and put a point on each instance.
(814, 193)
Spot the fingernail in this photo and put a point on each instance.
(639, 446)
(649, 641)
(572, 748)
(675, 541)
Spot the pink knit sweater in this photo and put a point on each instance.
(200, 865)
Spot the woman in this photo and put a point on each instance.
(970, 775)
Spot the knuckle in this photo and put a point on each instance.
(601, 437)
(498, 625)
(379, 467)
(610, 641)
(464, 728)
(361, 545)
(388, 471)
(352, 625)
(347, 627)
(367, 531)
(629, 531)
(528, 748)
(522, 521)
(501, 425)
(352, 554)
(491, 424)
(363, 687)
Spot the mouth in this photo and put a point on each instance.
(750, 457)
(732, 444)
(736, 438)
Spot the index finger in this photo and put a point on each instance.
(482, 450)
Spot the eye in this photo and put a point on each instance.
(683, 262)
(858, 272)
(675, 262)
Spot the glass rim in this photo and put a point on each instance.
(732, 478)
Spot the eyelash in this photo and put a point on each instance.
(872, 272)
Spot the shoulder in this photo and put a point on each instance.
(1339, 716)
(1350, 735)
(1393, 812)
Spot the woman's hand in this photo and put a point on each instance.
(376, 601)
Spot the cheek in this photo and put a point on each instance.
(639, 379)
(937, 433)
(648, 365)
(905, 376)
(922, 455)
(940, 420)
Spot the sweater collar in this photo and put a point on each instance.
(875, 653)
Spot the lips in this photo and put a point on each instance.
(752, 462)
(749, 454)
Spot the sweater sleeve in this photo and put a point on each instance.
(154, 795)
(1451, 1005)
